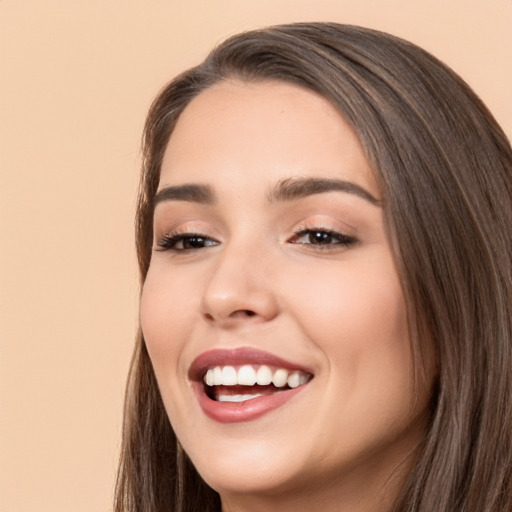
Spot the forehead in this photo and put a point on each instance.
(271, 129)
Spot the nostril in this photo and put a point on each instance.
(239, 313)
(242, 313)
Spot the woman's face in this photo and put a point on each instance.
(272, 279)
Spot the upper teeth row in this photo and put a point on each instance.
(248, 376)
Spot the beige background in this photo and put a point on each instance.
(76, 79)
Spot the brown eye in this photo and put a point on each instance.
(193, 242)
(322, 237)
(185, 242)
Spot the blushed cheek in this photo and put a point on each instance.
(155, 320)
(359, 320)
(354, 304)
(156, 326)
(166, 322)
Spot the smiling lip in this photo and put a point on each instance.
(232, 412)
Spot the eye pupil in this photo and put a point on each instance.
(320, 237)
(193, 242)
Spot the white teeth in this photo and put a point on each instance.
(246, 376)
(294, 380)
(236, 398)
(217, 376)
(208, 378)
(264, 375)
(229, 377)
(280, 377)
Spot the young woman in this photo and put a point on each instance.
(324, 239)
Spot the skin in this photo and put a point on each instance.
(347, 440)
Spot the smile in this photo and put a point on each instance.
(231, 384)
(244, 384)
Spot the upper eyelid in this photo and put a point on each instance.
(187, 227)
(300, 227)
(334, 226)
(339, 217)
(217, 229)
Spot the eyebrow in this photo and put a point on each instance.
(295, 188)
(202, 194)
(285, 190)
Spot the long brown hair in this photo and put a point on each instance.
(445, 171)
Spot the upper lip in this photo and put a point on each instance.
(236, 357)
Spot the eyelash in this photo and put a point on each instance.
(340, 238)
(169, 242)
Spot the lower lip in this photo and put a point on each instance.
(236, 412)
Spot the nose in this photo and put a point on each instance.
(239, 289)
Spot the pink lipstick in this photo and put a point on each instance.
(244, 384)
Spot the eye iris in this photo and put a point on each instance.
(193, 242)
(320, 237)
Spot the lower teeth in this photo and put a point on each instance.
(236, 398)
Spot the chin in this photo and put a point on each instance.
(255, 468)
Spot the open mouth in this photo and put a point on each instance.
(247, 382)
(244, 384)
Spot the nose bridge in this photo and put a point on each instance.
(238, 287)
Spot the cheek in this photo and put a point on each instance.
(165, 317)
(357, 318)
(359, 322)
(358, 302)
(165, 320)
